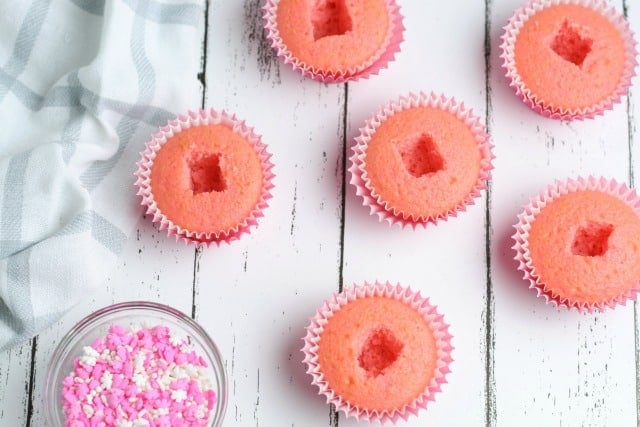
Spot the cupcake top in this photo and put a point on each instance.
(205, 177)
(577, 243)
(423, 158)
(570, 58)
(334, 40)
(378, 352)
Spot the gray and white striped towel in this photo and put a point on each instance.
(82, 85)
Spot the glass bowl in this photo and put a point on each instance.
(135, 314)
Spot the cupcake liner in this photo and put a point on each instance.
(359, 176)
(378, 289)
(533, 208)
(182, 122)
(510, 34)
(385, 54)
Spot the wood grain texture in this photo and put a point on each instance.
(632, 11)
(15, 384)
(445, 262)
(257, 294)
(553, 367)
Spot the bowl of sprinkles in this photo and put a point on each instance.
(136, 364)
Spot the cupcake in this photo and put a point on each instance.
(569, 59)
(334, 40)
(420, 159)
(205, 177)
(378, 352)
(578, 244)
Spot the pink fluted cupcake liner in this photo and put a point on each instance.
(359, 176)
(533, 208)
(533, 100)
(385, 54)
(185, 121)
(434, 320)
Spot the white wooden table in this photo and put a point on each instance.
(518, 362)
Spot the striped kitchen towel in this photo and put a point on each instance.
(83, 84)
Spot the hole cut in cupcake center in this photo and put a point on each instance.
(379, 351)
(420, 156)
(329, 18)
(206, 175)
(570, 45)
(592, 239)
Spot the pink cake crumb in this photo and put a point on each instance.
(146, 377)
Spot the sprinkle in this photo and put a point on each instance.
(106, 380)
(88, 410)
(138, 378)
(178, 395)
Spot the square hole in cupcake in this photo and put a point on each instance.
(206, 175)
(591, 239)
(329, 18)
(420, 156)
(569, 44)
(379, 351)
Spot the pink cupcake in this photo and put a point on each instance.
(421, 159)
(205, 177)
(578, 244)
(378, 352)
(334, 40)
(569, 59)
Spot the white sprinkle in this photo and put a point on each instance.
(177, 373)
(142, 381)
(175, 340)
(140, 422)
(200, 413)
(90, 351)
(178, 395)
(123, 423)
(160, 412)
(165, 380)
(139, 361)
(88, 360)
(107, 380)
(88, 410)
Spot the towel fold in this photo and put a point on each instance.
(83, 84)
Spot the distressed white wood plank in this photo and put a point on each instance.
(552, 367)
(15, 383)
(256, 295)
(445, 262)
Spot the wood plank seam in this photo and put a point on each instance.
(32, 375)
(334, 416)
(202, 76)
(489, 338)
(632, 184)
